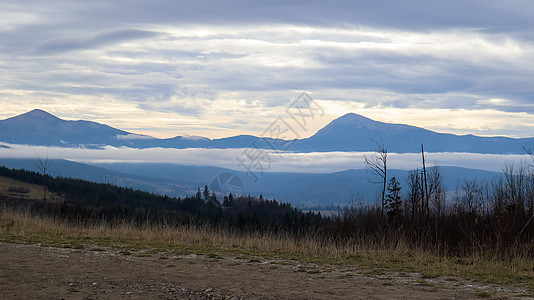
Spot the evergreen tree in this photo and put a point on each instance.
(229, 201)
(206, 193)
(213, 199)
(393, 199)
(198, 196)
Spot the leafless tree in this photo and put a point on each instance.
(436, 191)
(377, 166)
(529, 151)
(414, 194)
(424, 186)
(43, 164)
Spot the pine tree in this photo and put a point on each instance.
(198, 196)
(393, 199)
(206, 193)
(229, 201)
(213, 199)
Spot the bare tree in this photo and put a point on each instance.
(529, 152)
(377, 165)
(424, 186)
(473, 198)
(43, 164)
(414, 194)
(436, 191)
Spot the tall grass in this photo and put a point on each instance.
(361, 252)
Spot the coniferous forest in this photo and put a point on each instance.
(89, 202)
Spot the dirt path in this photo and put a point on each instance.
(31, 271)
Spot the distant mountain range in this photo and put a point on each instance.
(350, 132)
(302, 189)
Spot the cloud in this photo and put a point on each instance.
(494, 16)
(317, 162)
(99, 40)
(127, 137)
(233, 64)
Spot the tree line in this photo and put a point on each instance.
(90, 202)
(495, 217)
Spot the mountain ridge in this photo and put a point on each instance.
(305, 189)
(350, 132)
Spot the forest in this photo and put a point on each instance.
(89, 202)
(479, 218)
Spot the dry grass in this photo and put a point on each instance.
(17, 227)
(35, 192)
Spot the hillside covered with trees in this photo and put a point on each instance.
(486, 218)
(86, 202)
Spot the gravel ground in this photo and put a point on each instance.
(35, 272)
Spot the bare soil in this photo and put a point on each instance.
(35, 272)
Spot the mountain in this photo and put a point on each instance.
(38, 127)
(302, 189)
(41, 128)
(353, 132)
(350, 132)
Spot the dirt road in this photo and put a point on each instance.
(31, 272)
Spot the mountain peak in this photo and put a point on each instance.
(38, 114)
(346, 126)
(351, 118)
(38, 127)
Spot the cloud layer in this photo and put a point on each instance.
(217, 68)
(317, 162)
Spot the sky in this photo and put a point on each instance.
(221, 68)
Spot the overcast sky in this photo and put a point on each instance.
(220, 68)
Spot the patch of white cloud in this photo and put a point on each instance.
(132, 136)
(194, 138)
(315, 162)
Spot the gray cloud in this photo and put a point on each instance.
(183, 56)
(99, 40)
(490, 16)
